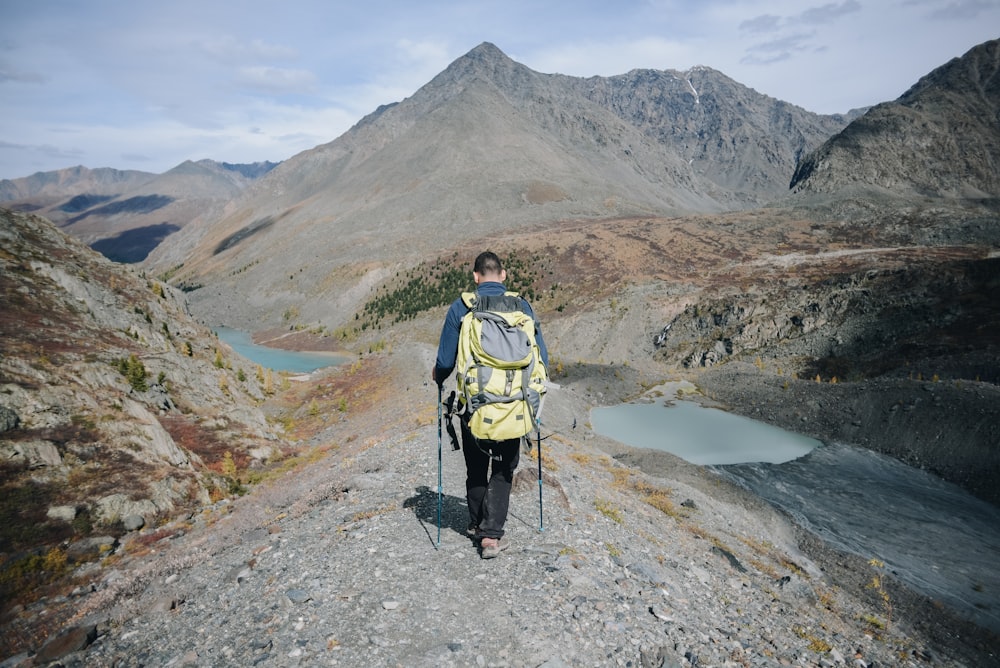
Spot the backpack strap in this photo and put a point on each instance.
(507, 302)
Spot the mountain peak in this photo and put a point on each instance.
(485, 61)
(487, 51)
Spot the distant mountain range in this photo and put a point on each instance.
(125, 214)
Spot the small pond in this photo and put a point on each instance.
(700, 435)
(275, 358)
(931, 534)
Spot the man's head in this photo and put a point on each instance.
(488, 268)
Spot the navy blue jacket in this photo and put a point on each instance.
(448, 345)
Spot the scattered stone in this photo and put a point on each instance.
(64, 513)
(298, 596)
(133, 522)
(71, 640)
(730, 557)
(165, 604)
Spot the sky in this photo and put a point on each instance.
(146, 85)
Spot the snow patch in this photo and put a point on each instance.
(697, 100)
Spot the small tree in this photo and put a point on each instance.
(134, 371)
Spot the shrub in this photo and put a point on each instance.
(134, 371)
(608, 509)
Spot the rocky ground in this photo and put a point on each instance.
(640, 563)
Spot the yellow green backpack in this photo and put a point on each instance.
(500, 370)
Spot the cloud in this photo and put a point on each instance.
(46, 150)
(230, 49)
(136, 157)
(762, 23)
(279, 80)
(814, 16)
(777, 50)
(961, 10)
(10, 73)
(788, 44)
(827, 13)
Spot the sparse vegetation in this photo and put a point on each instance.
(429, 286)
(134, 371)
(609, 510)
(878, 585)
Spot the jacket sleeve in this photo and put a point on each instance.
(448, 344)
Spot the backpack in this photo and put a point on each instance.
(500, 370)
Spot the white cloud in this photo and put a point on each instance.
(267, 79)
(231, 49)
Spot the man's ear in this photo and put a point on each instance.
(476, 277)
(503, 275)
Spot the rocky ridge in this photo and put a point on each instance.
(117, 408)
(340, 564)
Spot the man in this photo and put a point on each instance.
(487, 492)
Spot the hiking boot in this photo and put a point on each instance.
(472, 531)
(492, 547)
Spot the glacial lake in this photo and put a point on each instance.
(700, 435)
(931, 534)
(275, 358)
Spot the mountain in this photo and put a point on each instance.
(124, 215)
(491, 145)
(940, 139)
(42, 190)
(740, 140)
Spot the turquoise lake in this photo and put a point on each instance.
(274, 358)
(700, 435)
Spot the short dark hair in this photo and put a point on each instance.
(488, 263)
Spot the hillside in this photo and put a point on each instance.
(117, 409)
(488, 144)
(939, 139)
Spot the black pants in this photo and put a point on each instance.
(488, 480)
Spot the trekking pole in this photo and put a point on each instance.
(440, 486)
(541, 523)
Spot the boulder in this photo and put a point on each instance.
(9, 419)
(34, 454)
(64, 513)
(71, 640)
(94, 547)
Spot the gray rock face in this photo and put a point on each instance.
(939, 139)
(9, 419)
(70, 414)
